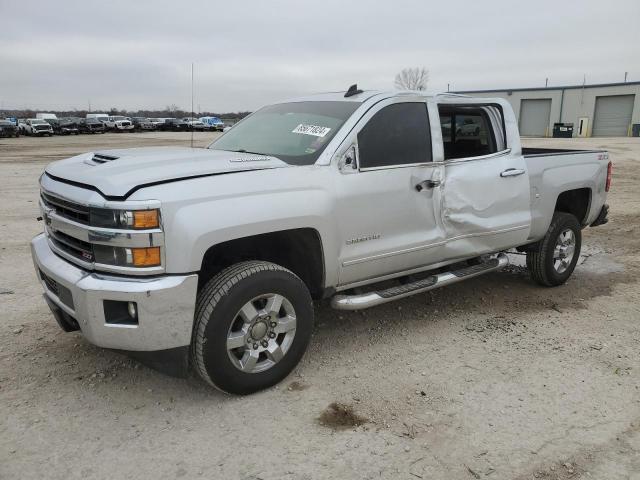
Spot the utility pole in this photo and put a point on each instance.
(625, 76)
(448, 88)
(546, 82)
(192, 114)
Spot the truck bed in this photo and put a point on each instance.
(539, 152)
(553, 171)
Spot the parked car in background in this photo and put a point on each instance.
(119, 124)
(142, 123)
(8, 129)
(103, 117)
(37, 127)
(53, 122)
(214, 123)
(22, 126)
(174, 125)
(195, 124)
(91, 125)
(67, 126)
(157, 122)
(467, 126)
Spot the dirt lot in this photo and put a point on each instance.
(491, 378)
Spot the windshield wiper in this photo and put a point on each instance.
(242, 150)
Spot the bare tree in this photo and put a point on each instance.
(412, 79)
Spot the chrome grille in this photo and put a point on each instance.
(75, 232)
(64, 208)
(73, 246)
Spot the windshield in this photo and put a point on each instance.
(296, 133)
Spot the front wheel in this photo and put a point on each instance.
(553, 261)
(253, 323)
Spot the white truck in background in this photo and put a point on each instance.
(119, 123)
(210, 258)
(46, 116)
(37, 127)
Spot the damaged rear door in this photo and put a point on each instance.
(486, 200)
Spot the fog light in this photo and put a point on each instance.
(120, 313)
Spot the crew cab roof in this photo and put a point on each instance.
(363, 96)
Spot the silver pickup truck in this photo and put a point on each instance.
(211, 258)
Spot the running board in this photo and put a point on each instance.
(371, 299)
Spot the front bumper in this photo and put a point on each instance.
(165, 304)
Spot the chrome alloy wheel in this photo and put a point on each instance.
(564, 250)
(261, 333)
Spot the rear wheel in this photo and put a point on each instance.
(253, 323)
(557, 254)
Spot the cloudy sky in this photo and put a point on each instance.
(137, 54)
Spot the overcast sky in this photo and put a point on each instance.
(137, 54)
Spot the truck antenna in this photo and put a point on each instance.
(353, 90)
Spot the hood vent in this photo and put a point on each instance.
(99, 158)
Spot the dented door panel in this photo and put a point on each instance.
(482, 210)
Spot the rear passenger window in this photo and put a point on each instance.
(466, 132)
(396, 135)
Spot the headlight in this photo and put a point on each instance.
(127, 257)
(124, 219)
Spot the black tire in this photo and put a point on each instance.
(217, 307)
(540, 261)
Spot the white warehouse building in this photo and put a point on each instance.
(604, 110)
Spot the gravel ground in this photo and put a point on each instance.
(492, 378)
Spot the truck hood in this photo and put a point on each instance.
(118, 173)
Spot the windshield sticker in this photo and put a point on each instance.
(314, 130)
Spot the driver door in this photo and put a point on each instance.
(388, 214)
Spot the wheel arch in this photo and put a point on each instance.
(299, 250)
(576, 202)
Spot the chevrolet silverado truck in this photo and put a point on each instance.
(211, 258)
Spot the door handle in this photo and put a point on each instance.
(512, 172)
(428, 184)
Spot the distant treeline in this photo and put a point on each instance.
(168, 112)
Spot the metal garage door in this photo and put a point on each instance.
(534, 117)
(613, 115)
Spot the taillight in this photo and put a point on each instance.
(608, 184)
